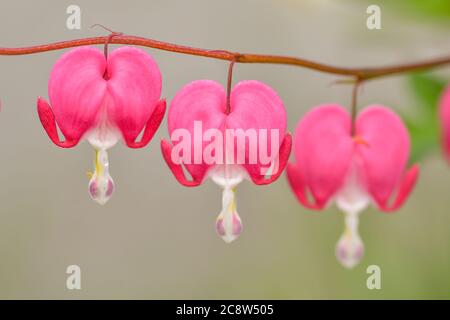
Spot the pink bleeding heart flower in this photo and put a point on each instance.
(444, 117)
(227, 142)
(103, 100)
(353, 170)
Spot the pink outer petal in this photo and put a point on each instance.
(299, 187)
(444, 117)
(134, 84)
(406, 185)
(323, 150)
(177, 169)
(76, 90)
(48, 122)
(150, 128)
(201, 100)
(384, 155)
(256, 106)
(283, 155)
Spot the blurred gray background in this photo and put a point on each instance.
(155, 238)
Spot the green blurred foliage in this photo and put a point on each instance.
(425, 8)
(423, 125)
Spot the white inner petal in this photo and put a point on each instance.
(101, 184)
(352, 197)
(350, 248)
(103, 137)
(228, 223)
(227, 176)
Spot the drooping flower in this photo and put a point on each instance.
(227, 142)
(444, 117)
(103, 100)
(351, 170)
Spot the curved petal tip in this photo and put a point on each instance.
(48, 121)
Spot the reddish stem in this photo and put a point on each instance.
(229, 84)
(361, 73)
(354, 104)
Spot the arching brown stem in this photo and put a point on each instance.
(362, 74)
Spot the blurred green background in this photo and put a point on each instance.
(155, 238)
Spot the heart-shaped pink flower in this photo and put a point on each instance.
(353, 170)
(228, 143)
(103, 100)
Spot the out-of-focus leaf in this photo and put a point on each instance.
(424, 140)
(422, 122)
(426, 8)
(435, 8)
(427, 89)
